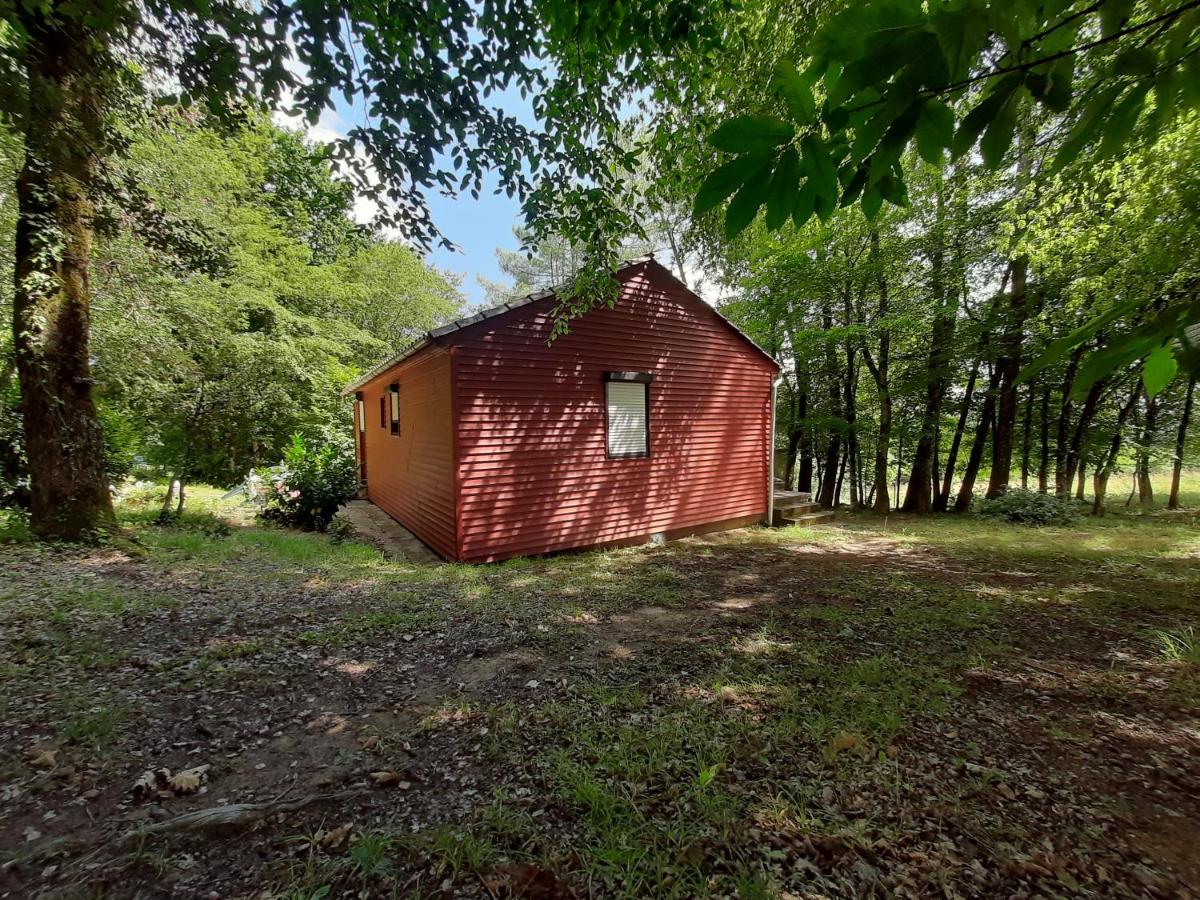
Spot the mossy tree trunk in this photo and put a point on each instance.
(64, 141)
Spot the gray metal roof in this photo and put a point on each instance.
(491, 312)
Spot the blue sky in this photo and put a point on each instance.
(477, 227)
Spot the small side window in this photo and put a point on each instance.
(383, 412)
(394, 394)
(627, 414)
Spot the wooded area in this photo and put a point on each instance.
(965, 229)
(975, 237)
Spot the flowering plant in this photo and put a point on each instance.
(307, 487)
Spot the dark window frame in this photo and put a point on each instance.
(383, 423)
(394, 406)
(644, 379)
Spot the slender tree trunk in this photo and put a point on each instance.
(165, 513)
(793, 447)
(64, 137)
(942, 501)
(1009, 367)
(1180, 444)
(966, 490)
(850, 403)
(1026, 437)
(1077, 447)
(1044, 458)
(879, 372)
(1108, 459)
(1079, 481)
(1146, 442)
(1062, 477)
(920, 493)
(827, 496)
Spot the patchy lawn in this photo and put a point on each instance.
(903, 708)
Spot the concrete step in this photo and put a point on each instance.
(812, 518)
(798, 507)
(783, 498)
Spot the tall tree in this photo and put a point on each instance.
(1181, 444)
(70, 65)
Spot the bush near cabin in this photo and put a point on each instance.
(307, 488)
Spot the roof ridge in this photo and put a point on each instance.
(503, 308)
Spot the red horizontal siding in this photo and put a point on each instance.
(411, 476)
(533, 475)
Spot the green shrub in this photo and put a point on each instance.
(306, 489)
(1028, 508)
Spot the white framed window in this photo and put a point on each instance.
(394, 392)
(627, 414)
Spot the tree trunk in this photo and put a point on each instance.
(1077, 447)
(827, 496)
(1062, 478)
(1079, 481)
(1009, 367)
(63, 136)
(942, 501)
(1044, 458)
(967, 489)
(850, 403)
(1026, 437)
(1108, 460)
(879, 372)
(919, 496)
(1145, 488)
(165, 513)
(1180, 443)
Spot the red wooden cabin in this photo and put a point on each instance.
(650, 420)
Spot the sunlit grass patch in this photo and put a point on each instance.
(1179, 645)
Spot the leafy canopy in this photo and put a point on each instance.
(948, 77)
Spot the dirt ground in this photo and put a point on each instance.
(864, 709)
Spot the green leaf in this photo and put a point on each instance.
(961, 33)
(744, 206)
(1123, 119)
(935, 131)
(795, 91)
(825, 205)
(982, 115)
(1087, 127)
(1085, 332)
(785, 184)
(723, 181)
(1113, 14)
(819, 166)
(1160, 367)
(872, 202)
(805, 204)
(1136, 61)
(751, 134)
(999, 135)
(854, 186)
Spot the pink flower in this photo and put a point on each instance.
(294, 494)
(279, 488)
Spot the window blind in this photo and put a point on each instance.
(627, 424)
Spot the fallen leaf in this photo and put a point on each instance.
(188, 781)
(387, 778)
(845, 741)
(43, 758)
(337, 837)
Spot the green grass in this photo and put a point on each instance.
(773, 667)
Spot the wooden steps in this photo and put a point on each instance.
(797, 507)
